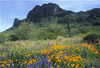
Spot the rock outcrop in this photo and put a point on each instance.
(16, 22)
(46, 10)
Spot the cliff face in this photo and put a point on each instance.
(53, 10)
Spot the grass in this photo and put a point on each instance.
(39, 43)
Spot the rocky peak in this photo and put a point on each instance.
(16, 22)
(45, 10)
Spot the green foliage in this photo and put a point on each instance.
(84, 29)
(13, 38)
(4, 36)
(74, 31)
(28, 31)
(48, 36)
(98, 46)
(96, 28)
(52, 32)
(23, 32)
(46, 30)
(93, 38)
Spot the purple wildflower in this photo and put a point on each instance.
(30, 58)
(60, 67)
(66, 49)
(28, 66)
(54, 66)
(83, 54)
(13, 66)
(50, 65)
(11, 63)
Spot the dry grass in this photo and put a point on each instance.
(40, 44)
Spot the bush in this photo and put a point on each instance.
(13, 38)
(52, 32)
(48, 35)
(92, 38)
(74, 31)
(23, 32)
(98, 46)
(2, 38)
(84, 29)
(5, 36)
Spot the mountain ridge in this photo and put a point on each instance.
(53, 10)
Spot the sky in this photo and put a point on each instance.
(11, 9)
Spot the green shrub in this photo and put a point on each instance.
(49, 36)
(52, 32)
(4, 37)
(74, 31)
(84, 29)
(98, 46)
(23, 32)
(13, 38)
(92, 38)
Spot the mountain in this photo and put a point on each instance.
(52, 10)
(94, 16)
(39, 12)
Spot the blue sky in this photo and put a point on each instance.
(10, 9)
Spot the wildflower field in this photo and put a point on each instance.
(71, 55)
